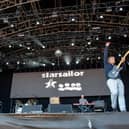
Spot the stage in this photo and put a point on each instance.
(98, 120)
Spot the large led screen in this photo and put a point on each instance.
(59, 83)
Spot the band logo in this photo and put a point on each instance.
(66, 86)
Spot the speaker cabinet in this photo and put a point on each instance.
(54, 108)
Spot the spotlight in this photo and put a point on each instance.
(10, 46)
(20, 45)
(7, 63)
(24, 63)
(37, 23)
(120, 9)
(28, 48)
(99, 57)
(53, 64)
(43, 46)
(67, 59)
(109, 9)
(12, 25)
(58, 53)
(73, 19)
(97, 38)
(125, 35)
(87, 58)
(72, 44)
(119, 55)
(101, 16)
(89, 43)
(44, 65)
(68, 63)
(18, 62)
(109, 37)
(77, 62)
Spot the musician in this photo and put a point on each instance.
(116, 85)
(82, 100)
(83, 104)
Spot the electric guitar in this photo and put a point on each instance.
(116, 69)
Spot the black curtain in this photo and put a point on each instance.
(5, 85)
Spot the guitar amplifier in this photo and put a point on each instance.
(54, 100)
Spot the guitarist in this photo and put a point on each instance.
(115, 85)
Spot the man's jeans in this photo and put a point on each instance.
(116, 88)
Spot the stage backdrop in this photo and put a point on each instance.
(59, 83)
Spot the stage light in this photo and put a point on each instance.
(68, 63)
(10, 46)
(99, 58)
(20, 45)
(119, 55)
(43, 46)
(73, 19)
(78, 59)
(109, 9)
(37, 23)
(125, 35)
(97, 38)
(28, 48)
(87, 58)
(24, 63)
(109, 37)
(101, 16)
(18, 62)
(120, 9)
(12, 25)
(53, 64)
(72, 44)
(89, 43)
(58, 53)
(77, 62)
(43, 65)
(7, 63)
(67, 59)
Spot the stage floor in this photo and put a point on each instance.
(107, 120)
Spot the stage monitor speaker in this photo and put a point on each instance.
(99, 105)
(32, 109)
(57, 108)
